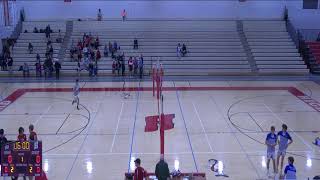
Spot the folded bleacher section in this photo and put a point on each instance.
(272, 48)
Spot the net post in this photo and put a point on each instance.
(162, 139)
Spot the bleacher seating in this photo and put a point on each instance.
(214, 46)
(20, 53)
(272, 48)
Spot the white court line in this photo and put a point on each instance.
(204, 131)
(115, 134)
(180, 153)
(276, 116)
(42, 114)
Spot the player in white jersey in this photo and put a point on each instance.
(76, 92)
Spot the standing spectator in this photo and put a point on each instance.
(118, 66)
(123, 67)
(38, 57)
(179, 50)
(139, 172)
(141, 66)
(10, 64)
(162, 169)
(48, 31)
(105, 50)
(59, 38)
(3, 63)
(85, 51)
(25, 70)
(130, 66)
(38, 69)
(99, 15)
(98, 55)
(51, 51)
(135, 43)
(124, 15)
(30, 48)
(33, 134)
(110, 49)
(57, 67)
(115, 46)
(318, 39)
(97, 43)
(21, 137)
(95, 69)
(114, 66)
(3, 139)
(90, 69)
(135, 66)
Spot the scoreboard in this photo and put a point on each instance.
(21, 158)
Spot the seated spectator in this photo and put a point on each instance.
(59, 38)
(35, 30)
(105, 51)
(98, 55)
(25, 70)
(124, 15)
(135, 43)
(184, 50)
(30, 48)
(99, 15)
(179, 50)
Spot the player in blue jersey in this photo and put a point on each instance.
(76, 92)
(271, 142)
(290, 171)
(284, 140)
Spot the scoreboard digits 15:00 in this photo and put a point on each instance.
(21, 158)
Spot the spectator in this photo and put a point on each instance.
(57, 67)
(114, 67)
(90, 67)
(21, 136)
(38, 68)
(79, 56)
(179, 50)
(110, 49)
(59, 38)
(318, 39)
(118, 66)
(25, 70)
(48, 68)
(49, 42)
(99, 15)
(51, 51)
(130, 66)
(3, 140)
(105, 50)
(98, 55)
(184, 50)
(162, 170)
(115, 46)
(3, 63)
(97, 43)
(10, 64)
(317, 141)
(38, 57)
(139, 172)
(95, 69)
(30, 48)
(48, 31)
(135, 43)
(124, 15)
(35, 30)
(141, 66)
(123, 66)
(33, 134)
(85, 51)
(135, 66)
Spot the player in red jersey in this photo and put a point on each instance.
(21, 136)
(33, 135)
(139, 173)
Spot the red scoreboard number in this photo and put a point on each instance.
(21, 158)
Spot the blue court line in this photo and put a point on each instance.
(134, 127)
(234, 134)
(185, 125)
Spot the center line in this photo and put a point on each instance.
(115, 134)
(204, 131)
